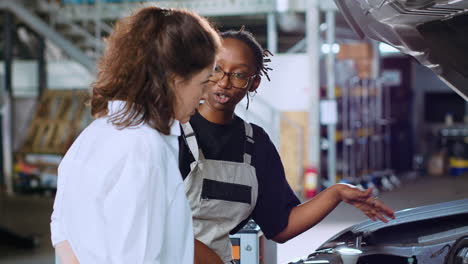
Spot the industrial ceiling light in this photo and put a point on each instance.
(282, 5)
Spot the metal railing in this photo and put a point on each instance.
(40, 26)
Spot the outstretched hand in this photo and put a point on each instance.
(364, 201)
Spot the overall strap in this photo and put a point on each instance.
(191, 140)
(249, 143)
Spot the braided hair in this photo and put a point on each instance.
(261, 55)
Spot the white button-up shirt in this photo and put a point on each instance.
(120, 197)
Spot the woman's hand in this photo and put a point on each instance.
(364, 201)
(310, 213)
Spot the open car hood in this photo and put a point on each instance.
(410, 217)
(435, 32)
(432, 234)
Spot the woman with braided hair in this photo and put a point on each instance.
(232, 171)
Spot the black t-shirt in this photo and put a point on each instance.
(227, 142)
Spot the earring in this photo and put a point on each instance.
(253, 94)
(250, 96)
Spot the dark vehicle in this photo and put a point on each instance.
(430, 234)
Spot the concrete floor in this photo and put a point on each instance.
(26, 216)
(31, 216)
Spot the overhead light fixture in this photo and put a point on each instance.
(385, 48)
(282, 5)
(326, 48)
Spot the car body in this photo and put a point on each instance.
(435, 32)
(432, 234)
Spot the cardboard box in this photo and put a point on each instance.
(362, 50)
(293, 151)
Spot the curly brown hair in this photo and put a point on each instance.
(144, 50)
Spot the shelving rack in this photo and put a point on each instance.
(363, 137)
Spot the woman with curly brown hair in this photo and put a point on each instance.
(120, 196)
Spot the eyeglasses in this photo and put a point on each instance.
(238, 80)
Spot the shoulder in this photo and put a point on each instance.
(113, 154)
(259, 131)
(137, 137)
(101, 137)
(260, 136)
